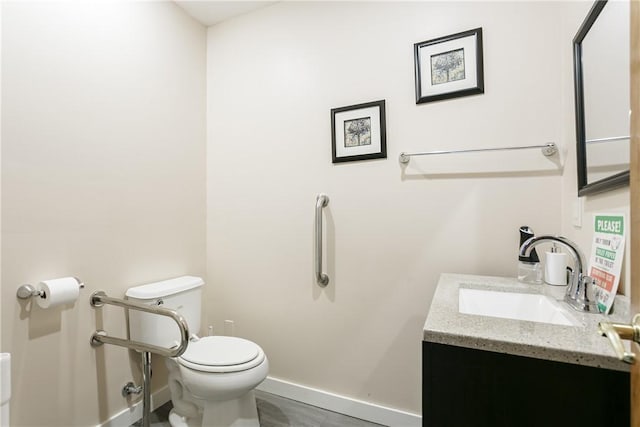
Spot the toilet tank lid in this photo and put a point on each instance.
(164, 288)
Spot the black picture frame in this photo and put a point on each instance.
(620, 179)
(358, 132)
(460, 53)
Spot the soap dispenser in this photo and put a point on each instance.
(529, 268)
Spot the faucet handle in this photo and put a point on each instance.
(589, 293)
(582, 294)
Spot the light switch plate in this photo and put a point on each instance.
(578, 207)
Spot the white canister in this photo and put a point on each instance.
(555, 268)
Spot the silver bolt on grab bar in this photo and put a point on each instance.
(321, 201)
(548, 149)
(99, 337)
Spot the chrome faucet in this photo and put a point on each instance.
(581, 289)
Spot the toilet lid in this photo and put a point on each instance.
(220, 351)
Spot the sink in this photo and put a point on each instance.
(513, 305)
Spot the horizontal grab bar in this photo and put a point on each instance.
(548, 149)
(99, 337)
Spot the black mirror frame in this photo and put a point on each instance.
(613, 181)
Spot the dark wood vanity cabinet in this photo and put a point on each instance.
(468, 388)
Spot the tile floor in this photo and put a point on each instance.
(276, 411)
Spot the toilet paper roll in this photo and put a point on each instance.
(555, 269)
(58, 292)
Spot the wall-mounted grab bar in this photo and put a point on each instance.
(548, 149)
(99, 337)
(321, 201)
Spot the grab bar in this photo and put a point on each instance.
(321, 201)
(548, 149)
(99, 337)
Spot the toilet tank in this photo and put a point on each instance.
(182, 294)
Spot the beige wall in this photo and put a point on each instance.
(273, 77)
(616, 201)
(103, 177)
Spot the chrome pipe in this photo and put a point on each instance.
(99, 337)
(146, 389)
(321, 201)
(574, 251)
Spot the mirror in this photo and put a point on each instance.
(601, 79)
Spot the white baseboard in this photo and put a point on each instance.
(130, 415)
(311, 396)
(342, 404)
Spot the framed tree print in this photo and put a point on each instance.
(358, 132)
(449, 67)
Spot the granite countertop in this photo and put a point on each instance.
(580, 345)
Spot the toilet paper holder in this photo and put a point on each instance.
(28, 291)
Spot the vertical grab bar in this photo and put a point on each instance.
(321, 201)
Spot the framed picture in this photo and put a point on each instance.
(358, 132)
(449, 67)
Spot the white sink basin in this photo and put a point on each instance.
(511, 305)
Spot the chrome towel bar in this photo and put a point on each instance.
(321, 201)
(609, 139)
(548, 149)
(99, 337)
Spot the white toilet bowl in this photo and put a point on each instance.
(212, 383)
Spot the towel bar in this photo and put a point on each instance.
(548, 149)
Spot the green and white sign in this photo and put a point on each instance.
(607, 252)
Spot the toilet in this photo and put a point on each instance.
(212, 382)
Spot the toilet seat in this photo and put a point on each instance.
(221, 354)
